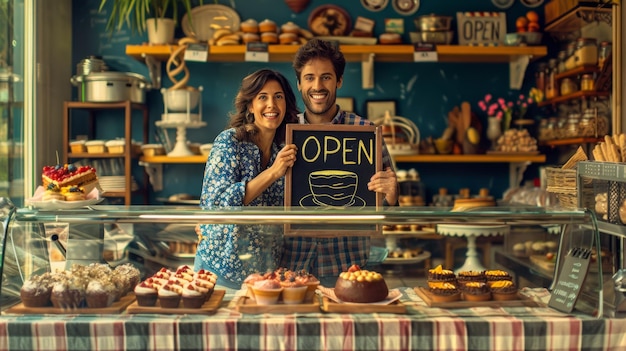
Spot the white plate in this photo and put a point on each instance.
(207, 18)
(502, 4)
(350, 40)
(62, 205)
(406, 7)
(375, 5)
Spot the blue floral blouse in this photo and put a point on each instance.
(235, 251)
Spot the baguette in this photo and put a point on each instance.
(598, 154)
(622, 146)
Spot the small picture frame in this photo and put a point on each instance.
(346, 104)
(377, 109)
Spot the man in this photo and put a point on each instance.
(319, 68)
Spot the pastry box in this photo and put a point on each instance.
(78, 146)
(95, 146)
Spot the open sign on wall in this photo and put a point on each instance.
(481, 28)
(333, 166)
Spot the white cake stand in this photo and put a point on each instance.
(180, 148)
(471, 232)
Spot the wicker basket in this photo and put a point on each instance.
(562, 183)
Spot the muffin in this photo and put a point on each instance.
(503, 290)
(99, 293)
(170, 295)
(290, 27)
(438, 274)
(249, 26)
(35, 292)
(294, 291)
(68, 293)
(267, 292)
(192, 296)
(251, 38)
(267, 25)
(310, 281)
(443, 291)
(147, 293)
(475, 291)
(288, 38)
(269, 37)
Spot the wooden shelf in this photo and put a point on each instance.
(482, 158)
(178, 160)
(579, 16)
(572, 141)
(355, 53)
(577, 95)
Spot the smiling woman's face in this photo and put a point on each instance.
(269, 106)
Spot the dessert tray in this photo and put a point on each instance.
(209, 307)
(92, 198)
(521, 300)
(330, 303)
(247, 304)
(115, 308)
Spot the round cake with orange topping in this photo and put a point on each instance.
(441, 291)
(439, 274)
(476, 291)
(496, 275)
(503, 290)
(361, 286)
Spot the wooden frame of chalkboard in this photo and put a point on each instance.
(333, 166)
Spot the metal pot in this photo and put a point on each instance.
(433, 23)
(111, 87)
(91, 64)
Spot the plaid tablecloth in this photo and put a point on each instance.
(422, 328)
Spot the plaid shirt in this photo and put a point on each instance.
(327, 257)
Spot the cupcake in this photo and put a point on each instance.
(476, 291)
(267, 25)
(147, 293)
(439, 274)
(267, 292)
(310, 281)
(441, 291)
(35, 292)
(169, 295)
(192, 296)
(206, 275)
(294, 291)
(503, 290)
(205, 286)
(249, 282)
(68, 293)
(99, 293)
(249, 26)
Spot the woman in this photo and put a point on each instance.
(246, 167)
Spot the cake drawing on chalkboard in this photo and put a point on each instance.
(333, 189)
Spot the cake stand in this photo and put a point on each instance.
(180, 148)
(471, 232)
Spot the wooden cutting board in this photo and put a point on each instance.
(115, 308)
(331, 306)
(246, 304)
(520, 301)
(209, 307)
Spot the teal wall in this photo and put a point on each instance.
(423, 92)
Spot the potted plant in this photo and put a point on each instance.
(146, 16)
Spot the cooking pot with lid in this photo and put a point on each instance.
(111, 87)
(91, 64)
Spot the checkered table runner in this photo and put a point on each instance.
(479, 328)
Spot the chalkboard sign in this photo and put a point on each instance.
(570, 280)
(333, 166)
(481, 28)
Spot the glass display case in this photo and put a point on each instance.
(36, 241)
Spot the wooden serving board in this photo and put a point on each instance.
(331, 306)
(246, 304)
(116, 307)
(520, 301)
(209, 307)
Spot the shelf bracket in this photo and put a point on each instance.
(154, 67)
(517, 70)
(155, 174)
(367, 71)
(516, 172)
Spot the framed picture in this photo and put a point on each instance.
(346, 103)
(377, 109)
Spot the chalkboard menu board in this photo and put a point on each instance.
(570, 280)
(333, 166)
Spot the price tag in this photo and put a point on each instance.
(571, 279)
(424, 52)
(197, 52)
(257, 52)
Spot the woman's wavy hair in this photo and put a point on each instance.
(243, 121)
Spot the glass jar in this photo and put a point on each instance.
(540, 77)
(586, 52)
(551, 88)
(562, 57)
(604, 52)
(568, 86)
(571, 129)
(570, 61)
(542, 130)
(587, 126)
(587, 83)
(551, 129)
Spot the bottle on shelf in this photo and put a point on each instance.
(604, 51)
(551, 83)
(586, 52)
